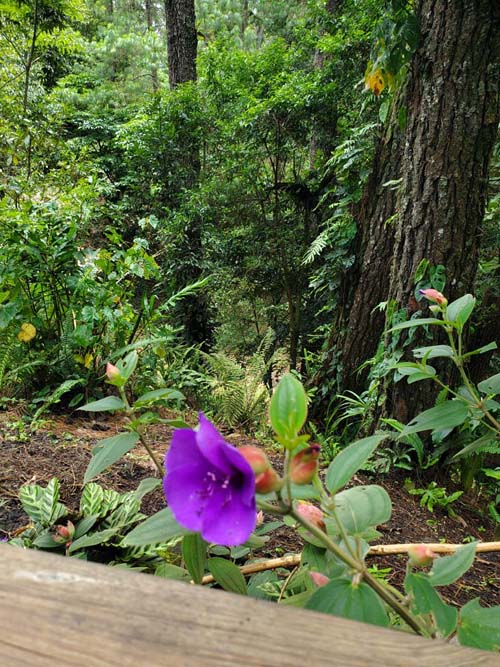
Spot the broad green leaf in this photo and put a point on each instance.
(446, 415)
(427, 601)
(30, 497)
(415, 323)
(108, 451)
(153, 396)
(479, 627)
(194, 554)
(356, 602)
(161, 527)
(170, 571)
(91, 501)
(288, 409)
(46, 541)
(360, 508)
(433, 351)
(128, 365)
(491, 385)
(227, 575)
(108, 404)
(350, 460)
(459, 311)
(448, 569)
(101, 537)
(304, 492)
(84, 525)
(146, 486)
(299, 600)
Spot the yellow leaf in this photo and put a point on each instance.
(26, 333)
(375, 81)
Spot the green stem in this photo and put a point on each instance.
(129, 412)
(359, 566)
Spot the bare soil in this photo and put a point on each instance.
(62, 448)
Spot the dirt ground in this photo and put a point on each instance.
(62, 448)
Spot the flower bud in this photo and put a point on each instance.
(304, 465)
(319, 579)
(312, 514)
(267, 481)
(420, 555)
(112, 372)
(256, 457)
(64, 534)
(260, 518)
(435, 296)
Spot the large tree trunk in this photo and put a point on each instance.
(441, 157)
(182, 41)
(182, 44)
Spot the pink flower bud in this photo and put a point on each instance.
(312, 514)
(112, 372)
(256, 457)
(64, 534)
(420, 555)
(434, 295)
(319, 579)
(260, 518)
(267, 481)
(304, 465)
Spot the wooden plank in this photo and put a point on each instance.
(63, 611)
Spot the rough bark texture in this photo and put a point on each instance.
(442, 159)
(181, 40)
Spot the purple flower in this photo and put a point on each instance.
(209, 486)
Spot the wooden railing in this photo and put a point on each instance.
(63, 612)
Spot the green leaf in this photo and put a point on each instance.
(356, 602)
(30, 497)
(383, 111)
(480, 350)
(50, 509)
(491, 385)
(108, 404)
(288, 409)
(415, 323)
(101, 537)
(158, 394)
(146, 486)
(108, 451)
(46, 541)
(194, 554)
(161, 527)
(361, 508)
(433, 351)
(459, 311)
(427, 601)
(448, 569)
(84, 525)
(350, 460)
(483, 443)
(227, 575)
(446, 415)
(91, 501)
(170, 571)
(128, 365)
(304, 492)
(479, 627)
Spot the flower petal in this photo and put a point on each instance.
(247, 479)
(212, 444)
(227, 520)
(183, 450)
(187, 494)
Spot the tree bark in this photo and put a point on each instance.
(441, 158)
(182, 41)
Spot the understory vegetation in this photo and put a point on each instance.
(265, 222)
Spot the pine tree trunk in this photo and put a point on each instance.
(182, 41)
(442, 158)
